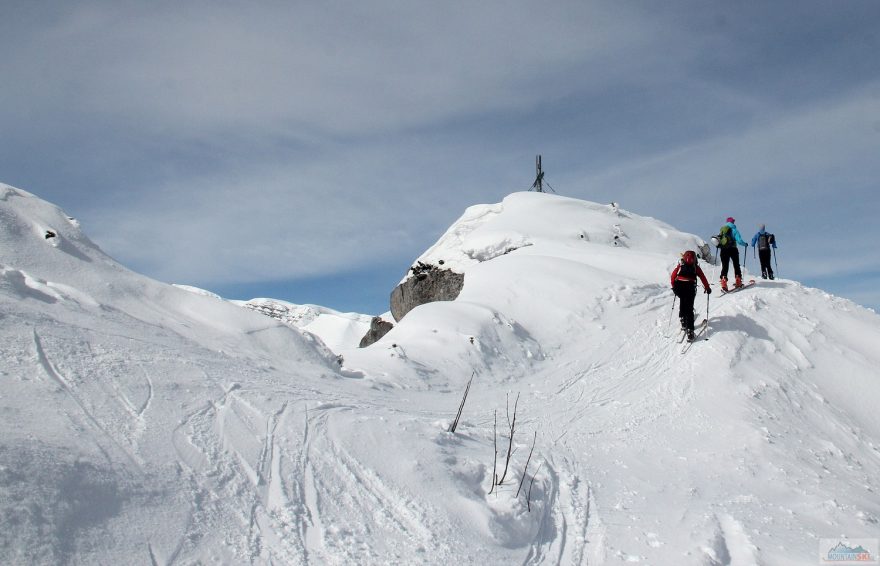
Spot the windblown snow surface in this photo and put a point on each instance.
(336, 329)
(141, 423)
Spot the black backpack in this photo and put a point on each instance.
(764, 241)
(688, 270)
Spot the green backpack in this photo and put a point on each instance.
(725, 237)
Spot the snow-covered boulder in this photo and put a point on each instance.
(378, 329)
(427, 284)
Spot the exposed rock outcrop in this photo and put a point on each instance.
(378, 329)
(427, 284)
(706, 252)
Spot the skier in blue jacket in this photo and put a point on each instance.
(729, 238)
(763, 240)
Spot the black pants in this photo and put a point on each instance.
(728, 254)
(766, 270)
(686, 291)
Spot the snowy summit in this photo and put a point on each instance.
(145, 423)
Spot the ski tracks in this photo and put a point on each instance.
(730, 544)
(292, 479)
(69, 388)
(612, 399)
(616, 380)
(343, 496)
(571, 531)
(234, 453)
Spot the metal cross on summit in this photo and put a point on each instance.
(539, 183)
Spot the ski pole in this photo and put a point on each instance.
(715, 261)
(670, 313)
(707, 309)
(774, 262)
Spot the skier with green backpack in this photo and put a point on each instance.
(727, 241)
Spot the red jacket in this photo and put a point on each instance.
(676, 277)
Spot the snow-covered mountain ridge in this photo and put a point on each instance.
(336, 329)
(142, 423)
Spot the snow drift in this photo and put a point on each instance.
(142, 423)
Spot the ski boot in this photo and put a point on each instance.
(724, 284)
(738, 283)
(691, 335)
(770, 274)
(763, 275)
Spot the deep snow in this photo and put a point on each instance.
(143, 423)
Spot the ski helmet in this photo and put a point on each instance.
(731, 220)
(689, 257)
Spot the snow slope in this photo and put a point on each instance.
(336, 329)
(145, 424)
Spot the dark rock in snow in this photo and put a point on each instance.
(706, 252)
(428, 283)
(378, 329)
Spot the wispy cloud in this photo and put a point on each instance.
(812, 172)
(229, 142)
(286, 220)
(303, 69)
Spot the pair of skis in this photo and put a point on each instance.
(749, 283)
(699, 334)
(701, 330)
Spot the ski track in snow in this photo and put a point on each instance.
(310, 527)
(68, 388)
(304, 505)
(613, 385)
(621, 377)
(579, 535)
(339, 489)
(730, 545)
(569, 531)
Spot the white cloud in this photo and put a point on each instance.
(809, 173)
(278, 221)
(781, 147)
(291, 139)
(302, 70)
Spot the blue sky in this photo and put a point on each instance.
(311, 151)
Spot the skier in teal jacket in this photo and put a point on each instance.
(729, 239)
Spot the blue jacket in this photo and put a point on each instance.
(758, 235)
(736, 235)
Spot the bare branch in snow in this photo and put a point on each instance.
(512, 424)
(454, 424)
(526, 467)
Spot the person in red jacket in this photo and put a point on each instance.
(684, 285)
